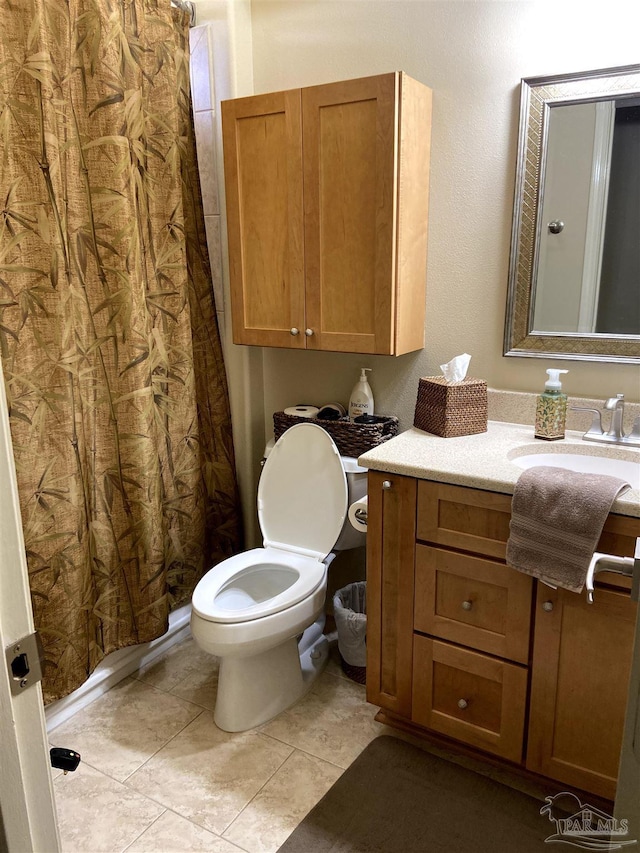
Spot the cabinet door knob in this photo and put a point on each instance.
(548, 606)
(308, 332)
(294, 331)
(386, 484)
(462, 704)
(467, 605)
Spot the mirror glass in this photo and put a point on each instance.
(574, 289)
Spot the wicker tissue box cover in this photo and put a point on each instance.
(351, 439)
(449, 410)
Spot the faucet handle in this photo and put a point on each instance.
(635, 430)
(596, 424)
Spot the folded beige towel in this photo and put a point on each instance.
(557, 517)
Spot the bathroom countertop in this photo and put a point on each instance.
(483, 461)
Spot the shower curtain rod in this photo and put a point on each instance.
(187, 6)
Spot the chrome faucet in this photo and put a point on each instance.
(615, 433)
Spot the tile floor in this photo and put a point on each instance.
(158, 775)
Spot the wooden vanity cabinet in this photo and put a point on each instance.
(461, 645)
(327, 202)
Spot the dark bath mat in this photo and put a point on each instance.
(396, 798)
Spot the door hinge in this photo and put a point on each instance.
(25, 659)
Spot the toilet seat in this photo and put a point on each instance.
(302, 505)
(209, 600)
(303, 494)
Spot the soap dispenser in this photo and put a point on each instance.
(551, 408)
(361, 400)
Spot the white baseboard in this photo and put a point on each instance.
(117, 666)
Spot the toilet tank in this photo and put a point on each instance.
(357, 485)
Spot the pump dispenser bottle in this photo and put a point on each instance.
(361, 400)
(551, 408)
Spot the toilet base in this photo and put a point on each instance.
(253, 690)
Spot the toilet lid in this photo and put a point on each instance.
(302, 495)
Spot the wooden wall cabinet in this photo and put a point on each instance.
(327, 201)
(461, 645)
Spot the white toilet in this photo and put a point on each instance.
(251, 609)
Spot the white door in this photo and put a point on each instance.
(27, 811)
(628, 796)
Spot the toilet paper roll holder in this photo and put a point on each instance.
(361, 515)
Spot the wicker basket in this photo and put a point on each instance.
(351, 439)
(448, 410)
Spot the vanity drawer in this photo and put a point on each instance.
(472, 601)
(467, 519)
(478, 521)
(470, 697)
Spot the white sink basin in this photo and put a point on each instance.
(587, 464)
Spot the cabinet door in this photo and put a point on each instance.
(262, 138)
(581, 664)
(349, 143)
(391, 537)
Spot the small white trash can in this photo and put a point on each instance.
(350, 612)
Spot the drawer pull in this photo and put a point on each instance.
(548, 606)
(462, 704)
(386, 484)
(467, 605)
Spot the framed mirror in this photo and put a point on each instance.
(574, 276)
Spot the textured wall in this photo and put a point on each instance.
(473, 55)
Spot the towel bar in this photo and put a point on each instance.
(628, 566)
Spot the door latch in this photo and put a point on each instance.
(24, 662)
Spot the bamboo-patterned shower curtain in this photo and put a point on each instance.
(109, 343)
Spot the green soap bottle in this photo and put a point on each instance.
(551, 408)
